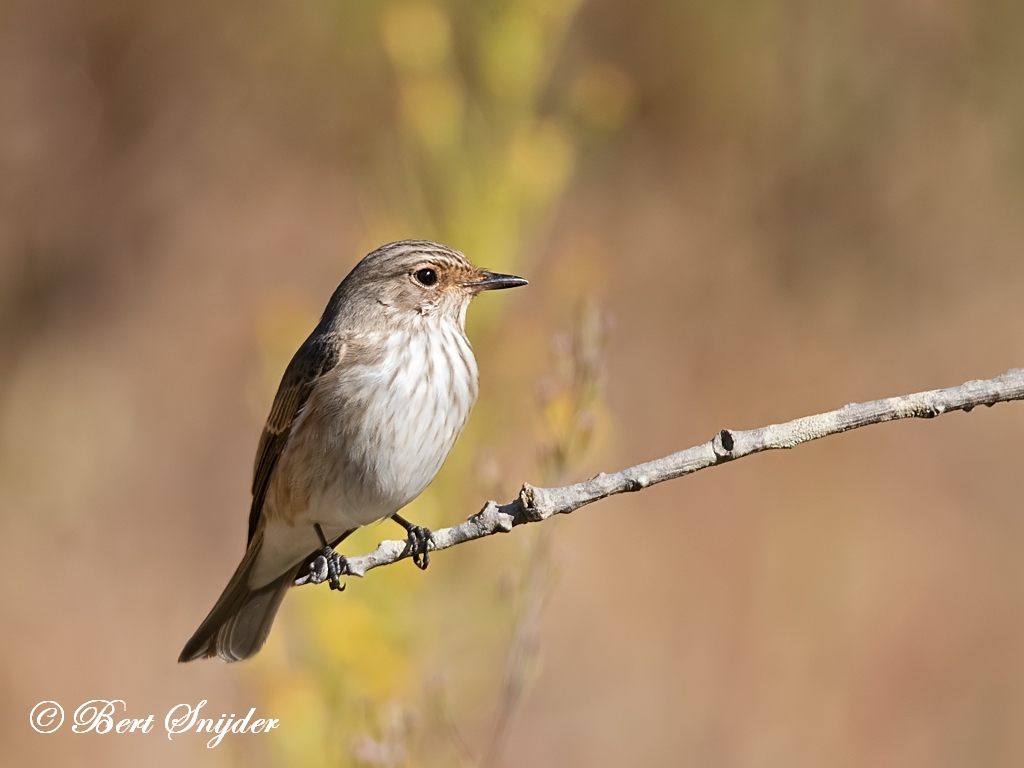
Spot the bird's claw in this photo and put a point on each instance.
(328, 566)
(420, 540)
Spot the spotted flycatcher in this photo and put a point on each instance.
(365, 415)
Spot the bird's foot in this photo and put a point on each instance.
(420, 539)
(328, 566)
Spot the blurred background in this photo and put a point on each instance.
(731, 214)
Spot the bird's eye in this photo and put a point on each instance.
(426, 276)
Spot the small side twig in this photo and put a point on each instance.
(535, 504)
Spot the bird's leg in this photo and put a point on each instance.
(420, 539)
(325, 565)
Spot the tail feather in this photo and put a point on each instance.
(240, 621)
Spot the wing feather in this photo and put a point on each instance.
(319, 354)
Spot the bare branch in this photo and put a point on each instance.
(536, 504)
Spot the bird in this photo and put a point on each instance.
(365, 415)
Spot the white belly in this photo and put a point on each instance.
(369, 440)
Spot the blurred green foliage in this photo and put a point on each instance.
(475, 156)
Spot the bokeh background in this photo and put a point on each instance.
(731, 213)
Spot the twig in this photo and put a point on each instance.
(536, 504)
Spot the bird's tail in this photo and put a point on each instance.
(240, 621)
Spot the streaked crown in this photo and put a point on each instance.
(410, 279)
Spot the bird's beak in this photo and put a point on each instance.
(493, 281)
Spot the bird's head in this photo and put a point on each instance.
(413, 280)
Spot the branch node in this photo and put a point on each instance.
(491, 519)
(723, 444)
(532, 504)
(636, 483)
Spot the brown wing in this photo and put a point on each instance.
(317, 356)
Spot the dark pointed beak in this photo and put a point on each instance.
(493, 281)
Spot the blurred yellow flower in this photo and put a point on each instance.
(417, 36)
(432, 108)
(512, 54)
(541, 160)
(603, 96)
